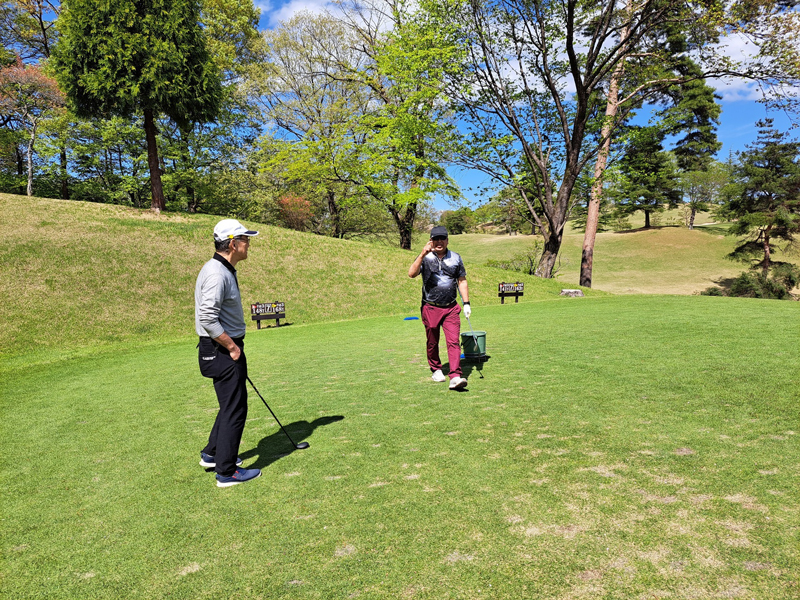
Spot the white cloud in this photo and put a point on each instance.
(271, 15)
(737, 89)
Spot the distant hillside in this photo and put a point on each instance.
(660, 260)
(78, 274)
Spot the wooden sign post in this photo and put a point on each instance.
(506, 290)
(268, 310)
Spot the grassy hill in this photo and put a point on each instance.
(660, 260)
(80, 275)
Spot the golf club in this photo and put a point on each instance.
(301, 445)
(474, 337)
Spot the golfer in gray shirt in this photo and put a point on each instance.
(219, 321)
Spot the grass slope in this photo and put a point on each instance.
(617, 447)
(660, 260)
(81, 275)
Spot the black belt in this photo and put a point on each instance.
(452, 304)
(237, 340)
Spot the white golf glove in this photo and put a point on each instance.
(467, 310)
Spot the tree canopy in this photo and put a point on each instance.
(132, 57)
(765, 199)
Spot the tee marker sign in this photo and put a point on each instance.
(507, 290)
(261, 311)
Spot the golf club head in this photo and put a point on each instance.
(302, 445)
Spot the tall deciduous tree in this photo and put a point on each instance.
(765, 200)
(304, 89)
(29, 95)
(356, 117)
(410, 135)
(534, 72)
(701, 189)
(28, 27)
(133, 57)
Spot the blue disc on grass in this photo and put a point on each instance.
(411, 319)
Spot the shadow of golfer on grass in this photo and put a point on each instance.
(276, 445)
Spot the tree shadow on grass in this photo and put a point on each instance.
(725, 283)
(276, 445)
(641, 229)
(713, 229)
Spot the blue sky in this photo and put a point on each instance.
(740, 107)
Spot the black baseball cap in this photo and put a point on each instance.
(438, 231)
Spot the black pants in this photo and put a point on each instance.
(230, 378)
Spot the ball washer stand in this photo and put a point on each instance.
(474, 337)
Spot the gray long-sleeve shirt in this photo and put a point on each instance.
(217, 302)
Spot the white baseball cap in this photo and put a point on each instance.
(227, 229)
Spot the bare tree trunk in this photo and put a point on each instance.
(405, 223)
(691, 217)
(30, 159)
(647, 219)
(552, 245)
(593, 216)
(767, 252)
(20, 159)
(62, 155)
(156, 189)
(333, 208)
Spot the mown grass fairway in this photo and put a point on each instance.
(617, 447)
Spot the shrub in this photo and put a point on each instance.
(752, 284)
(524, 262)
(296, 212)
(713, 291)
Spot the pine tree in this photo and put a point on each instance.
(649, 180)
(766, 198)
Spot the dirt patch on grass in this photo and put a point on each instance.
(700, 499)
(345, 550)
(606, 470)
(739, 530)
(706, 558)
(747, 502)
(457, 557)
(568, 532)
(188, 569)
(590, 575)
(412, 591)
(648, 497)
(669, 480)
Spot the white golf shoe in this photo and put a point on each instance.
(438, 376)
(458, 383)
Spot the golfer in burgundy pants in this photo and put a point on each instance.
(443, 276)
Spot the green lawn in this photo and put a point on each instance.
(617, 447)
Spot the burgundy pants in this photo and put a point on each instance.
(448, 319)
